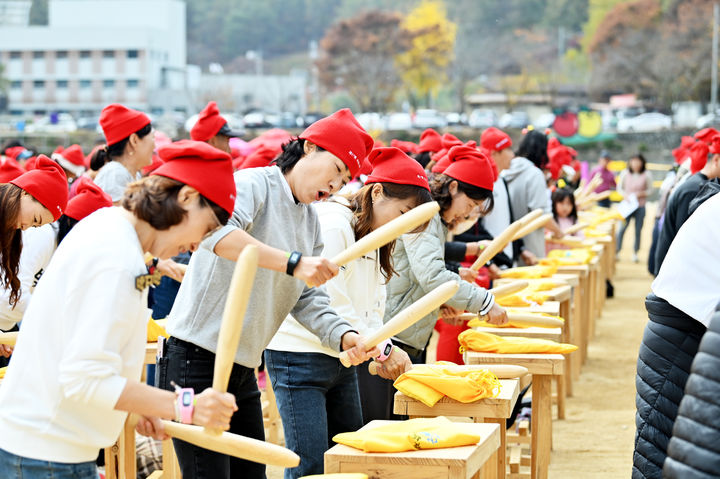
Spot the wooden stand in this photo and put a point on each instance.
(542, 367)
(466, 462)
(490, 410)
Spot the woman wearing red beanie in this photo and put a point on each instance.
(273, 211)
(419, 259)
(318, 397)
(130, 145)
(32, 199)
(64, 399)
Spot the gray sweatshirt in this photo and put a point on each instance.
(528, 191)
(265, 209)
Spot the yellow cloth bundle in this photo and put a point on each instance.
(413, 434)
(530, 272)
(429, 383)
(2, 372)
(521, 300)
(471, 340)
(481, 323)
(155, 328)
(572, 256)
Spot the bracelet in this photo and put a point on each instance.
(292, 262)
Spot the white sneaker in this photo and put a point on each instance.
(635, 258)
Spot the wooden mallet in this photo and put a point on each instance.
(388, 232)
(524, 320)
(502, 371)
(509, 288)
(9, 339)
(229, 336)
(537, 223)
(576, 227)
(408, 316)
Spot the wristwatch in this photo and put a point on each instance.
(292, 262)
(185, 405)
(386, 348)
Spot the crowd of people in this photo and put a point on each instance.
(84, 236)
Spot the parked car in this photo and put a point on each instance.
(707, 120)
(310, 118)
(257, 119)
(653, 121)
(425, 118)
(545, 120)
(514, 119)
(482, 118)
(371, 121)
(456, 118)
(398, 121)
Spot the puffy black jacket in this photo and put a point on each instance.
(694, 449)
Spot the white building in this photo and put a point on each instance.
(95, 52)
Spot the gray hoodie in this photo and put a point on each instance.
(528, 191)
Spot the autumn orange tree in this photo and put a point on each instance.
(359, 56)
(423, 68)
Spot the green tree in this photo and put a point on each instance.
(423, 68)
(358, 56)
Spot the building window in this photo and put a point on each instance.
(62, 84)
(132, 53)
(15, 55)
(38, 55)
(108, 54)
(108, 83)
(85, 83)
(133, 83)
(85, 54)
(16, 84)
(39, 84)
(61, 54)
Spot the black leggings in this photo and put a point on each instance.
(192, 366)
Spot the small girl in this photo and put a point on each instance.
(565, 214)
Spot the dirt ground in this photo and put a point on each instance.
(596, 438)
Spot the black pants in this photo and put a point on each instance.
(377, 395)
(191, 366)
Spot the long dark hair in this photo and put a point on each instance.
(534, 147)
(10, 240)
(559, 196)
(292, 151)
(362, 206)
(65, 224)
(116, 150)
(440, 189)
(640, 157)
(154, 199)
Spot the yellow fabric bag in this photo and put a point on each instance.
(572, 256)
(471, 340)
(2, 372)
(413, 434)
(155, 328)
(530, 272)
(429, 383)
(481, 323)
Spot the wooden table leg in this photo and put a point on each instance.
(567, 338)
(576, 332)
(585, 318)
(502, 450)
(541, 425)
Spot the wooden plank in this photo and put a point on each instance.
(541, 425)
(498, 407)
(552, 364)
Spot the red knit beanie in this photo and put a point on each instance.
(72, 159)
(470, 165)
(260, 157)
(9, 170)
(47, 183)
(88, 198)
(341, 135)
(118, 122)
(404, 146)
(204, 167)
(208, 124)
(493, 139)
(698, 156)
(430, 140)
(391, 165)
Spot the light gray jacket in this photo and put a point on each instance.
(420, 266)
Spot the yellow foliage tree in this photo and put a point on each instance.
(423, 68)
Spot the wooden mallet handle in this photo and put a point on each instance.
(9, 339)
(233, 316)
(534, 214)
(388, 232)
(496, 245)
(502, 371)
(533, 225)
(233, 445)
(576, 227)
(509, 288)
(524, 320)
(408, 316)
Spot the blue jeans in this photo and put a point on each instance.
(639, 217)
(192, 366)
(18, 467)
(317, 398)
